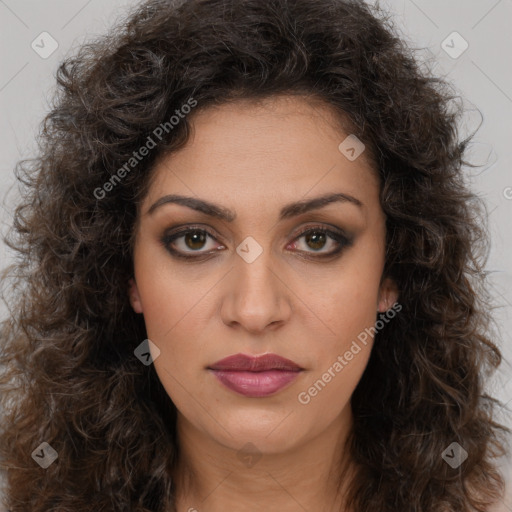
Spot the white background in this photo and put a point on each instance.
(482, 75)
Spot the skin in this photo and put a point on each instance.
(254, 158)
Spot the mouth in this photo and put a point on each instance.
(255, 377)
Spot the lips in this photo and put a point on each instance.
(255, 376)
(242, 362)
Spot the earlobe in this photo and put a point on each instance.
(133, 294)
(388, 295)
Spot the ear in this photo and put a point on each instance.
(133, 293)
(388, 295)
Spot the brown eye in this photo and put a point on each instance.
(192, 242)
(185, 242)
(195, 239)
(317, 238)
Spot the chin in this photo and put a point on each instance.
(267, 437)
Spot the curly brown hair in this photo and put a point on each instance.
(69, 374)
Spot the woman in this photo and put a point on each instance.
(249, 275)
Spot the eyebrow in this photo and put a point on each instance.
(288, 211)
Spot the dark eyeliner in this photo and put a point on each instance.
(344, 241)
(167, 239)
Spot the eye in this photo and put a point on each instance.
(188, 240)
(191, 242)
(319, 237)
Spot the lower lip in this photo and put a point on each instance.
(255, 384)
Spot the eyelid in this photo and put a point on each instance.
(328, 228)
(182, 230)
(339, 236)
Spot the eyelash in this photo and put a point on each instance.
(342, 240)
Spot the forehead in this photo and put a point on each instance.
(282, 147)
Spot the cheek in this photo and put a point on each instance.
(175, 319)
(341, 357)
(328, 390)
(170, 296)
(348, 310)
(176, 309)
(173, 314)
(346, 299)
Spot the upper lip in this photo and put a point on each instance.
(243, 362)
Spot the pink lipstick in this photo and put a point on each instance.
(255, 377)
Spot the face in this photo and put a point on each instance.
(266, 270)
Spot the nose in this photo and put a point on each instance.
(257, 296)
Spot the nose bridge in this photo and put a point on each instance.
(255, 276)
(256, 296)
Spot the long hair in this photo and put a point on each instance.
(69, 374)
